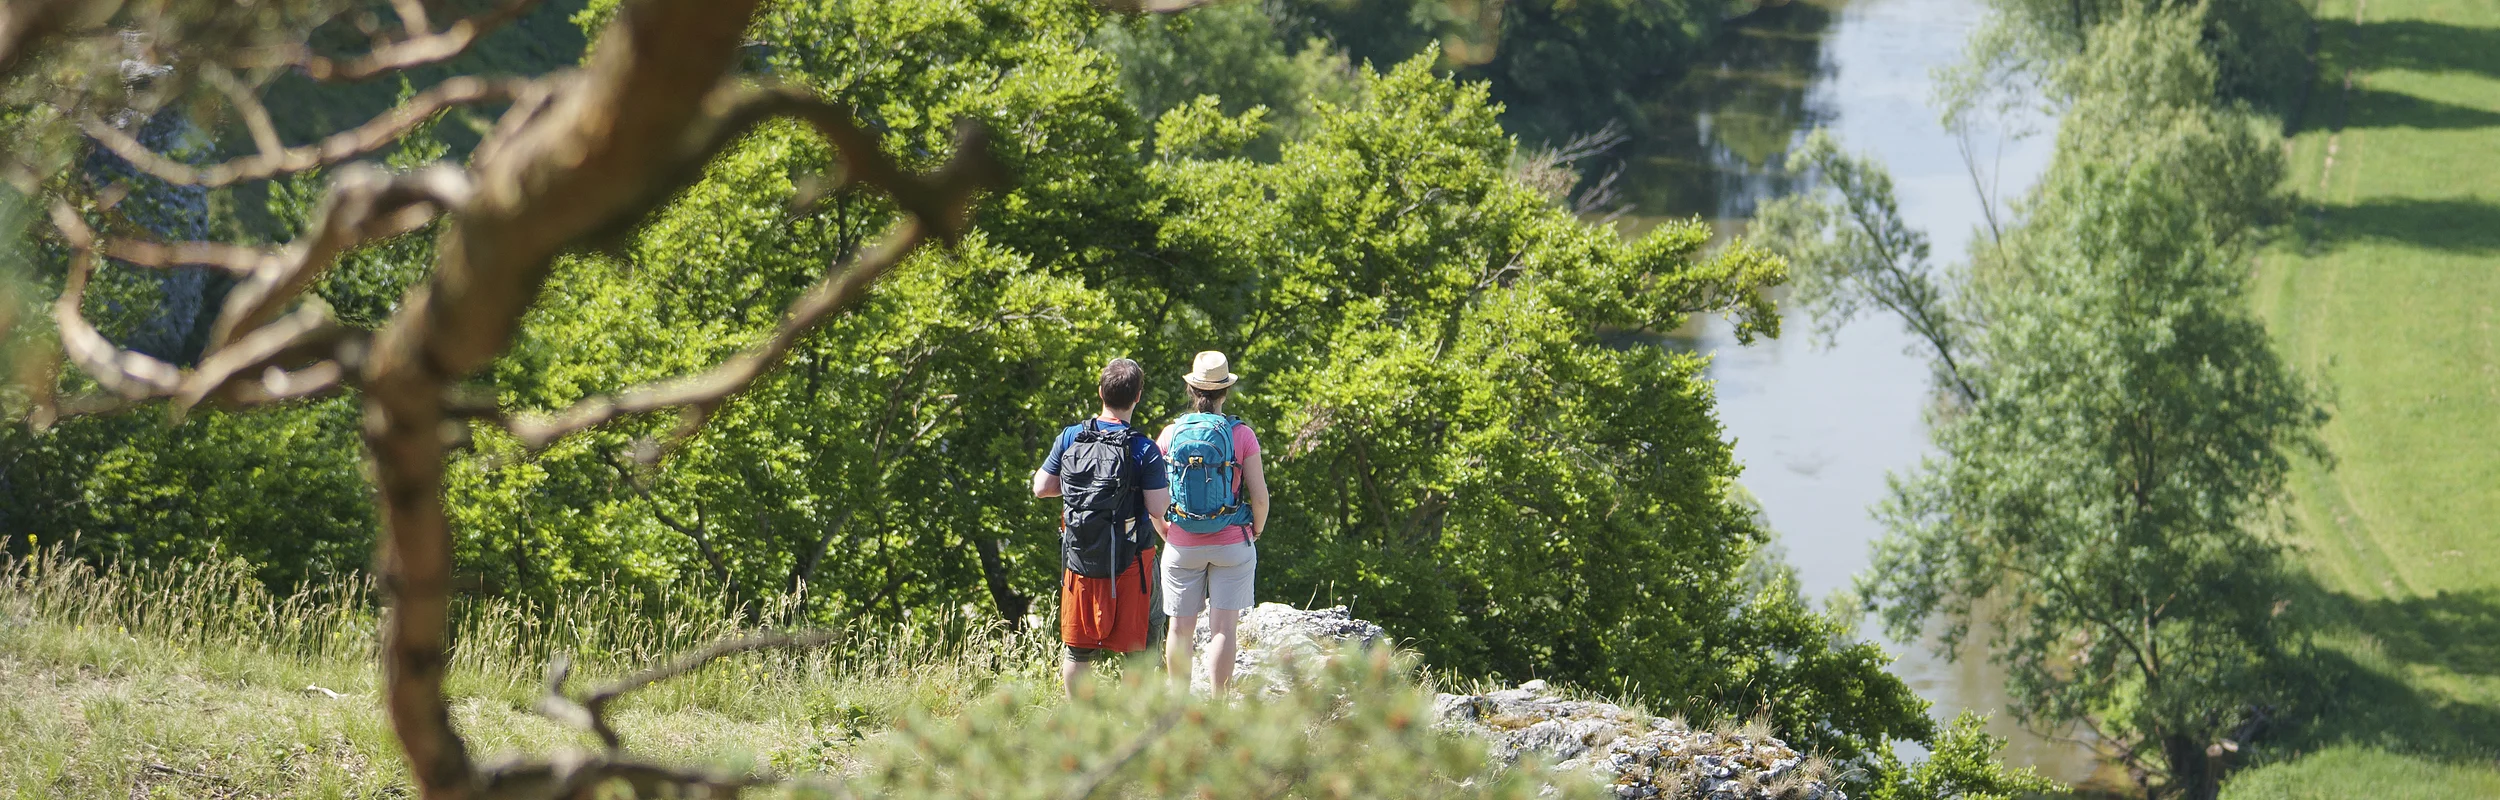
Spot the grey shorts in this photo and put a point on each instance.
(1193, 576)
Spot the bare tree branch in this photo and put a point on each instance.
(945, 198)
(1152, 6)
(601, 152)
(365, 204)
(590, 712)
(412, 17)
(580, 158)
(1094, 779)
(288, 358)
(255, 114)
(230, 259)
(272, 162)
(701, 394)
(573, 773)
(23, 22)
(424, 46)
(127, 374)
(307, 341)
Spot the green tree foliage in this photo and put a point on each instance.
(1234, 53)
(896, 483)
(1459, 452)
(2104, 500)
(1962, 765)
(1854, 254)
(2258, 47)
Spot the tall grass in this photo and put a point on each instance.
(134, 675)
(208, 603)
(497, 644)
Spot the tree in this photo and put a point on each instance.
(1853, 251)
(2259, 48)
(2104, 500)
(1962, 765)
(1233, 53)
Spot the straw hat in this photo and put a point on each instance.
(1211, 371)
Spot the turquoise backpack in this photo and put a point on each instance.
(1202, 467)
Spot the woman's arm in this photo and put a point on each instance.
(1254, 484)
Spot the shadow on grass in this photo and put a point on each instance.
(2465, 226)
(2373, 108)
(2419, 45)
(2370, 695)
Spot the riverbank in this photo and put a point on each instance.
(2388, 291)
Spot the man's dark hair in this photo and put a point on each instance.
(1122, 382)
(1205, 400)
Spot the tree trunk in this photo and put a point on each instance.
(602, 153)
(1010, 604)
(2194, 774)
(402, 425)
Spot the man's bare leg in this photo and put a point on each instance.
(1071, 671)
(1177, 641)
(1222, 644)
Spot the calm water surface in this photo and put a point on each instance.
(1819, 428)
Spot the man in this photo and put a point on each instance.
(1107, 475)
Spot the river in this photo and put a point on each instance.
(1818, 428)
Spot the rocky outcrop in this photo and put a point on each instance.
(1636, 755)
(1274, 634)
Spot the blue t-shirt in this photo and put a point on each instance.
(1141, 450)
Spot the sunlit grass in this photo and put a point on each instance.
(2388, 292)
(192, 680)
(2348, 772)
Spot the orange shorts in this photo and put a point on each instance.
(1097, 614)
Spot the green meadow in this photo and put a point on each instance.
(2388, 291)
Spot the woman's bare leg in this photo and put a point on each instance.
(1177, 641)
(1221, 646)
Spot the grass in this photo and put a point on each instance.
(2345, 772)
(2390, 294)
(192, 681)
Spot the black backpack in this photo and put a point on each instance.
(1103, 505)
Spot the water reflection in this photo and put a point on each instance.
(1818, 429)
(1710, 142)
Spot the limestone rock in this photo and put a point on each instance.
(1275, 634)
(1635, 755)
(1639, 757)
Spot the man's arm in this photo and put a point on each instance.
(1045, 484)
(1158, 498)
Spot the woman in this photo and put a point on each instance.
(1210, 564)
